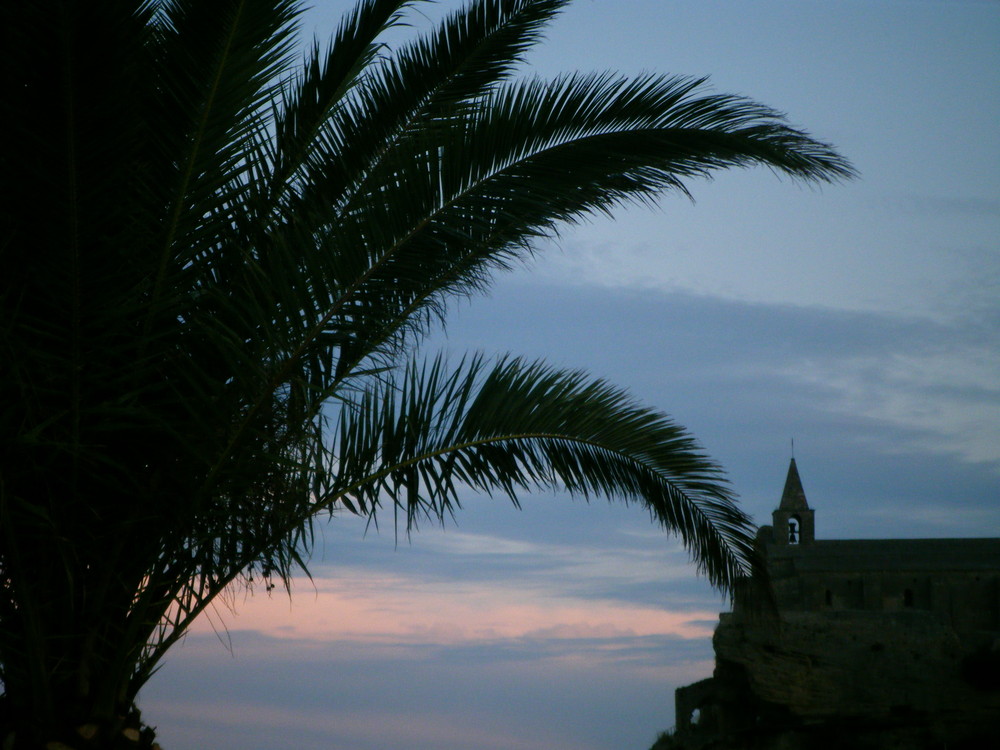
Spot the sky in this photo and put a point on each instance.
(861, 320)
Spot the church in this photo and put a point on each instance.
(861, 643)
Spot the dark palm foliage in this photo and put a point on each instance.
(214, 259)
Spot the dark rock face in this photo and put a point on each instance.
(847, 679)
(855, 680)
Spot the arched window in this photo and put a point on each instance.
(794, 531)
(829, 598)
(908, 598)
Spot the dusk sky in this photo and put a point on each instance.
(860, 319)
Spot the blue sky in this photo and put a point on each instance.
(862, 319)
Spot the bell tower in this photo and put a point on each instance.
(793, 520)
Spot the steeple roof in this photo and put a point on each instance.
(793, 497)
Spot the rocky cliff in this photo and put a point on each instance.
(844, 679)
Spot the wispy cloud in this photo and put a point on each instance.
(935, 383)
(369, 696)
(363, 606)
(578, 566)
(945, 400)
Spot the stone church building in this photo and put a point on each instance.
(875, 643)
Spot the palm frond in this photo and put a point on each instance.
(514, 426)
(327, 79)
(414, 88)
(458, 202)
(217, 66)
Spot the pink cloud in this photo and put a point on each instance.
(360, 606)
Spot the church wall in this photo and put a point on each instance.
(958, 579)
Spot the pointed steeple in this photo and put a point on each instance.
(793, 497)
(794, 521)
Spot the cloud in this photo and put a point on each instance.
(935, 383)
(940, 399)
(556, 693)
(360, 605)
(585, 688)
(580, 565)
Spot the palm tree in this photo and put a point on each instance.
(216, 261)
